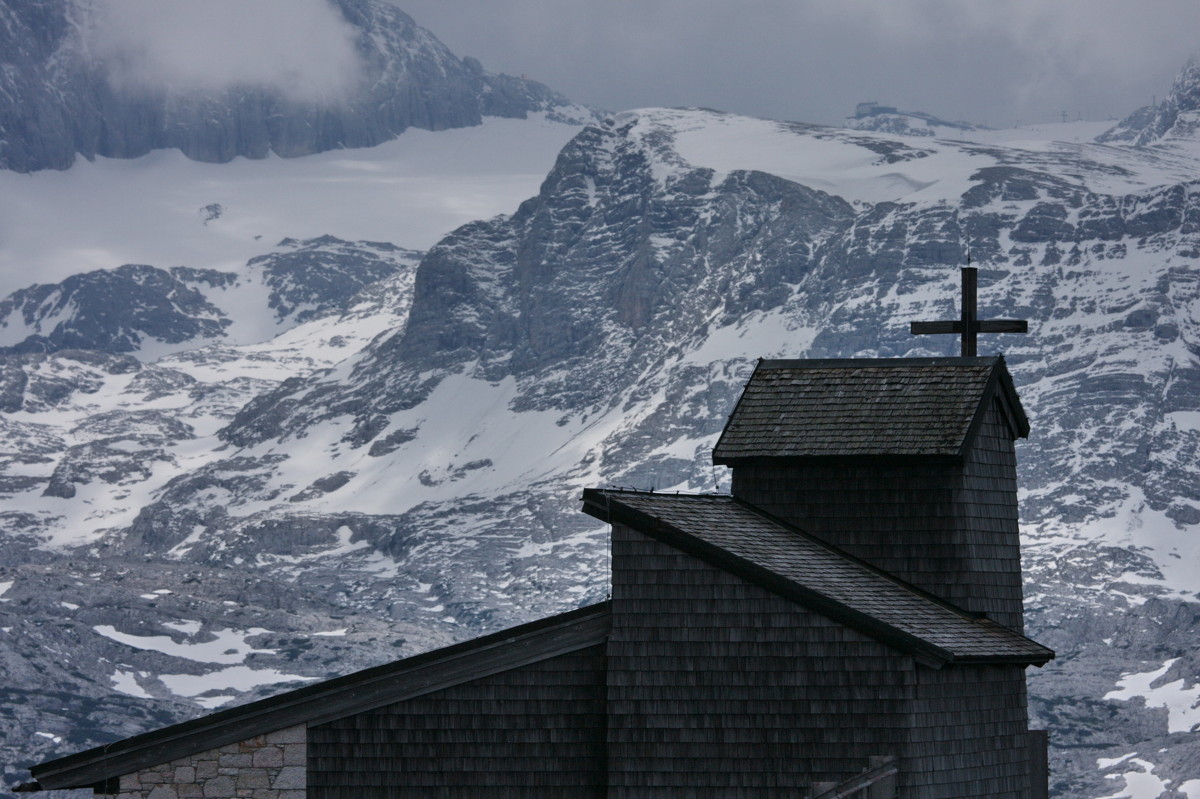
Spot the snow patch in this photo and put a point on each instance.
(235, 678)
(126, 682)
(1139, 784)
(1182, 704)
(412, 190)
(228, 646)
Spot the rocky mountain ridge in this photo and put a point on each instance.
(427, 472)
(137, 308)
(1176, 117)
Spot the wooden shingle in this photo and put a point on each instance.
(898, 407)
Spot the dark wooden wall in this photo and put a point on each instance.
(949, 529)
(970, 735)
(718, 687)
(535, 732)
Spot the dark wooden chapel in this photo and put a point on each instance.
(846, 623)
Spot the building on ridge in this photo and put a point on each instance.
(847, 622)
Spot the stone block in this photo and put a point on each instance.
(206, 769)
(253, 778)
(219, 788)
(290, 795)
(189, 790)
(288, 735)
(268, 757)
(290, 778)
(236, 761)
(185, 774)
(163, 792)
(130, 782)
(295, 755)
(151, 777)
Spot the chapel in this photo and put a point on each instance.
(846, 622)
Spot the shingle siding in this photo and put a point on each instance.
(718, 687)
(969, 735)
(535, 732)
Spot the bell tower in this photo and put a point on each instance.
(907, 464)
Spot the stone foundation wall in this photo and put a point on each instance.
(271, 766)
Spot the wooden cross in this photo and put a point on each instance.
(970, 325)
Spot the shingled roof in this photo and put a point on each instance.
(911, 407)
(737, 537)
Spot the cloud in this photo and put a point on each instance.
(304, 49)
(989, 61)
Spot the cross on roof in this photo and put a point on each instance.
(969, 326)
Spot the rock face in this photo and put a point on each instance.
(58, 99)
(423, 467)
(1176, 117)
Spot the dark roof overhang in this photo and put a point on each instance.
(599, 504)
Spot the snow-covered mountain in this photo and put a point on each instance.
(889, 119)
(1176, 117)
(66, 89)
(148, 310)
(383, 471)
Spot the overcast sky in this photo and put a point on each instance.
(997, 62)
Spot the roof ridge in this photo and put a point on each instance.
(826, 363)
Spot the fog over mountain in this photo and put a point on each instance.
(306, 50)
(120, 78)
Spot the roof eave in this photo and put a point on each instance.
(955, 458)
(1040, 659)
